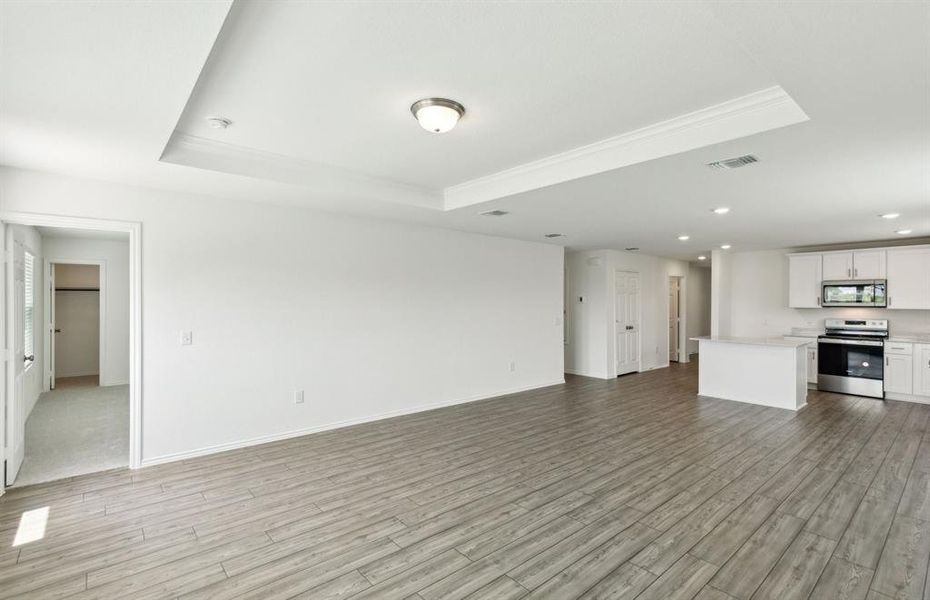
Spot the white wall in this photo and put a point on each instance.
(591, 349)
(78, 276)
(698, 309)
(33, 379)
(371, 318)
(588, 335)
(758, 300)
(114, 368)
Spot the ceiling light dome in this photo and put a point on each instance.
(437, 115)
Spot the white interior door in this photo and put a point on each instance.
(15, 415)
(627, 322)
(674, 321)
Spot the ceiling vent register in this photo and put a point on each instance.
(733, 163)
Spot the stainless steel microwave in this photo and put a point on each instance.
(866, 293)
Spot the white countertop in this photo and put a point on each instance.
(911, 338)
(773, 341)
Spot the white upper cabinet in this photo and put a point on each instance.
(869, 264)
(837, 266)
(856, 264)
(804, 277)
(908, 278)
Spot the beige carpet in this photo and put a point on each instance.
(76, 429)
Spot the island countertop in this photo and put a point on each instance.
(772, 341)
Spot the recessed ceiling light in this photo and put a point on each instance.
(494, 213)
(726, 246)
(684, 238)
(890, 215)
(218, 122)
(903, 231)
(437, 115)
(554, 235)
(702, 257)
(722, 210)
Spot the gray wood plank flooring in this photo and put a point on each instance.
(630, 488)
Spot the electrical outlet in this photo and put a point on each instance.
(298, 396)
(187, 338)
(513, 366)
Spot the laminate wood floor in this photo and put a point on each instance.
(632, 488)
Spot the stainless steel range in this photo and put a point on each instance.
(851, 357)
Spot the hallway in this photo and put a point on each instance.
(75, 429)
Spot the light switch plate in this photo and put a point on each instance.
(298, 397)
(187, 338)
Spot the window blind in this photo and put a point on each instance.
(29, 316)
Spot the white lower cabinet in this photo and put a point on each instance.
(899, 373)
(812, 363)
(922, 369)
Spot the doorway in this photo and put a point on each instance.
(71, 403)
(627, 322)
(674, 319)
(76, 322)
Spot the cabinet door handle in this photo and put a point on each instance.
(855, 272)
(847, 272)
(886, 362)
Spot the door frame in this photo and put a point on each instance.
(639, 322)
(680, 356)
(134, 230)
(102, 303)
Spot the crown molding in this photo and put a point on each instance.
(753, 113)
(204, 153)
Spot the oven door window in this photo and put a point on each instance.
(844, 360)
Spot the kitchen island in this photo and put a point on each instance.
(766, 371)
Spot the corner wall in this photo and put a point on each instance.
(370, 318)
(591, 348)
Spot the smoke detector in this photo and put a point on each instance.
(494, 213)
(733, 163)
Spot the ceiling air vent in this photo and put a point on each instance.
(494, 213)
(733, 163)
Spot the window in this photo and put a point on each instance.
(30, 311)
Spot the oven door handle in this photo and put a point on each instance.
(852, 342)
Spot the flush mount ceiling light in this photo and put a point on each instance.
(890, 215)
(726, 246)
(218, 122)
(684, 238)
(702, 257)
(721, 211)
(903, 231)
(437, 115)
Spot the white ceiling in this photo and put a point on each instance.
(320, 92)
(332, 82)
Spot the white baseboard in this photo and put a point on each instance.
(907, 398)
(275, 437)
(587, 374)
(82, 374)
